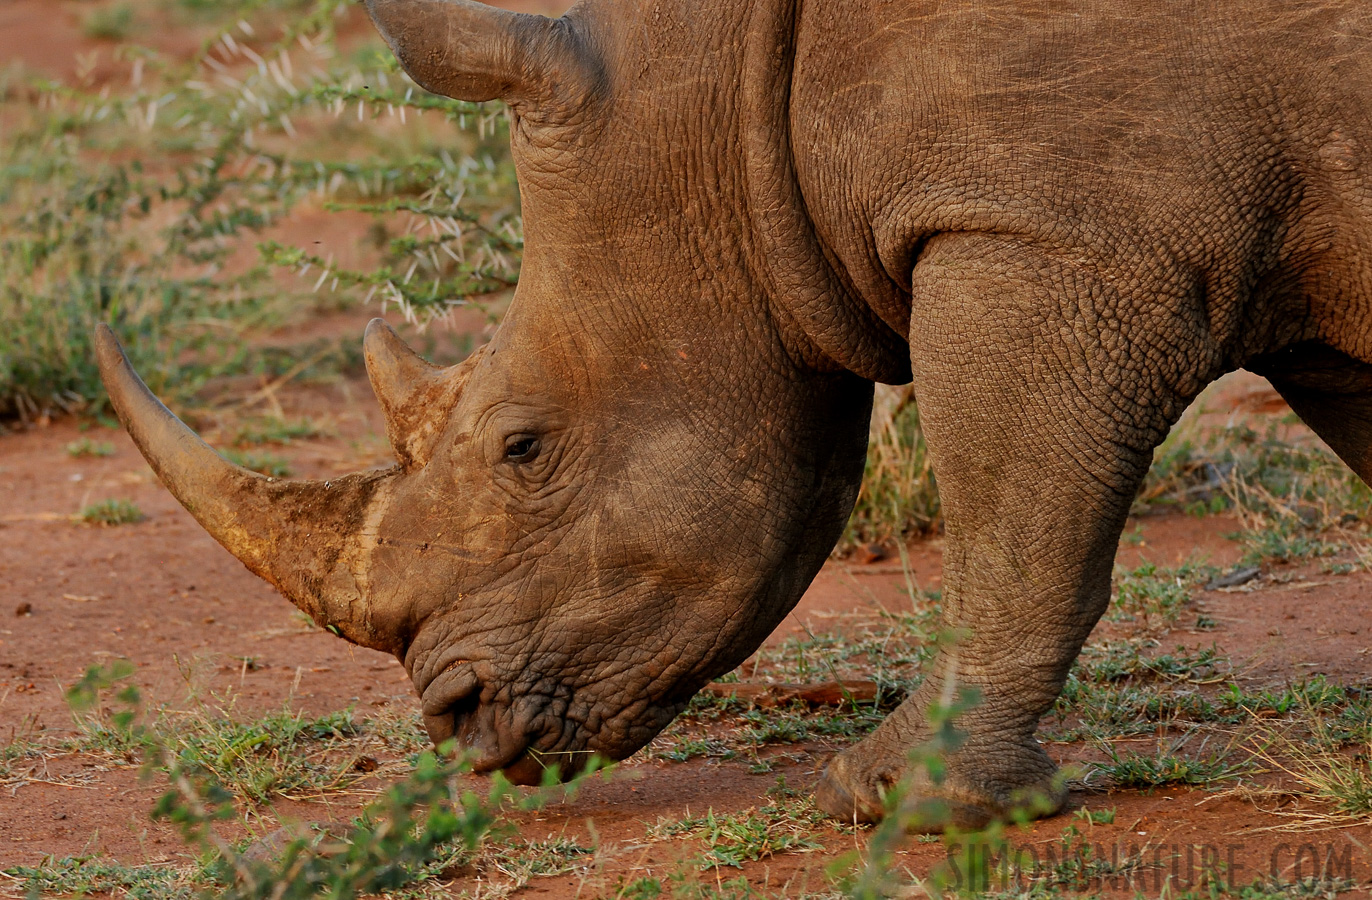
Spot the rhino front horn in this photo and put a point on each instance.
(469, 51)
(312, 540)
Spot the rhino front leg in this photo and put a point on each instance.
(1041, 408)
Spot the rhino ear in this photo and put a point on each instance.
(469, 51)
(415, 395)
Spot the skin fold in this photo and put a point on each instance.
(1061, 220)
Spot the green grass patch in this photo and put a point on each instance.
(891, 650)
(262, 463)
(1076, 864)
(112, 512)
(1096, 816)
(109, 23)
(1096, 712)
(1295, 499)
(736, 838)
(87, 448)
(85, 875)
(276, 431)
(1321, 751)
(524, 860)
(1278, 472)
(1317, 695)
(1166, 767)
(1156, 595)
(676, 748)
(1114, 661)
(410, 839)
(1117, 690)
(280, 754)
(1285, 541)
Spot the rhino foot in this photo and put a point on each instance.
(857, 783)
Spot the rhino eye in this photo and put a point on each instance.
(521, 448)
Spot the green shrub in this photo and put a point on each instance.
(131, 207)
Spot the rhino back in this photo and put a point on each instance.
(1214, 157)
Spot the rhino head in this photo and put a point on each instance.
(624, 492)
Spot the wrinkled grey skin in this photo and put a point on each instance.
(1062, 220)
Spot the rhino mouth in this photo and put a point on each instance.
(476, 727)
(470, 724)
(456, 707)
(495, 735)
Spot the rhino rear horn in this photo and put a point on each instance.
(415, 395)
(469, 51)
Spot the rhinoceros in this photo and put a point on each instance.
(1061, 220)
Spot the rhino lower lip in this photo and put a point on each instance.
(491, 752)
(524, 769)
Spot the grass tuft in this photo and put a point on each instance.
(1154, 594)
(1323, 756)
(85, 447)
(109, 23)
(736, 838)
(899, 495)
(262, 463)
(112, 512)
(276, 431)
(1166, 767)
(85, 875)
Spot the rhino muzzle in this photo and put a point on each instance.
(521, 734)
(494, 736)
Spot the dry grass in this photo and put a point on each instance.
(899, 496)
(1324, 782)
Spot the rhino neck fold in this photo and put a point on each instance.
(805, 285)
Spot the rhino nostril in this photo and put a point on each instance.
(453, 682)
(455, 721)
(449, 701)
